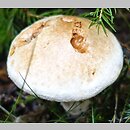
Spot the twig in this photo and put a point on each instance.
(101, 11)
(127, 119)
(115, 110)
(92, 116)
(11, 115)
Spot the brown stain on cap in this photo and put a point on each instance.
(78, 37)
(78, 43)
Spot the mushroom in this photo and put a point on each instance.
(61, 59)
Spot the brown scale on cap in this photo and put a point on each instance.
(78, 24)
(35, 30)
(12, 50)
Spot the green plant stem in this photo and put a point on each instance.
(7, 112)
(93, 120)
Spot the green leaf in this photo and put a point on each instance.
(106, 20)
(103, 26)
(91, 24)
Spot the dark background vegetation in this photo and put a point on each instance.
(112, 105)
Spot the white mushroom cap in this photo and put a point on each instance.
(70, 62)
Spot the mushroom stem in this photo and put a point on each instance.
(75, 108)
